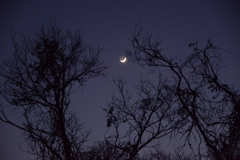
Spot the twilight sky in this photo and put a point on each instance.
(109, 24)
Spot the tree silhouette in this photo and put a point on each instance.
(39, 79)
(138, 121)
(189, 101)
(207, 110)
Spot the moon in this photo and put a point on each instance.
(123, 59)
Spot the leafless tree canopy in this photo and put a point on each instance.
(145, 117)
(39, 79)
(190, 102)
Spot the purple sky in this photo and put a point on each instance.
(110, 23)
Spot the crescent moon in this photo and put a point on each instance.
(123, 59)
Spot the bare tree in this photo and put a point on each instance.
(138, 119)
(207, 110)
(39, 79)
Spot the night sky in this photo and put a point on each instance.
(109, 24)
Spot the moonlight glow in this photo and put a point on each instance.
(123, 59)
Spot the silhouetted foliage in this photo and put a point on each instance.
(210, 108)
(189, 101)
(39, 79)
